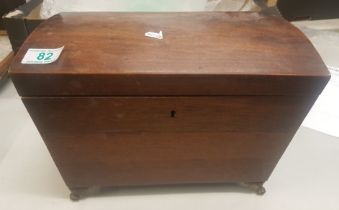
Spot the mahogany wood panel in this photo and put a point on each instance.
(115, 141)
(154, 114)
(104, 159)
(165, 85)
(207, 53)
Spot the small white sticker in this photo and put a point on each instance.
(154, 35)
(41, 56)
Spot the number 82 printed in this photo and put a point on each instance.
(44, 56)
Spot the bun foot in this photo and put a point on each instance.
(81, 193)
(74, 196)
(256, 187)
(260, 190)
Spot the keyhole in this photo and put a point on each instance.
(173, 113)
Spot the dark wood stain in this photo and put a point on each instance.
(201, 54)
(217, 100)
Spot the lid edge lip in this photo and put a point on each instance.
(174, 74)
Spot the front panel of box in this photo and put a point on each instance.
(115, 141)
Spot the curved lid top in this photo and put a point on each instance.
(193, 44)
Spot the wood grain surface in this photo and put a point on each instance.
(154, 114)
(118, 141)
(151, 158)
(207, 53)
(217, 100)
